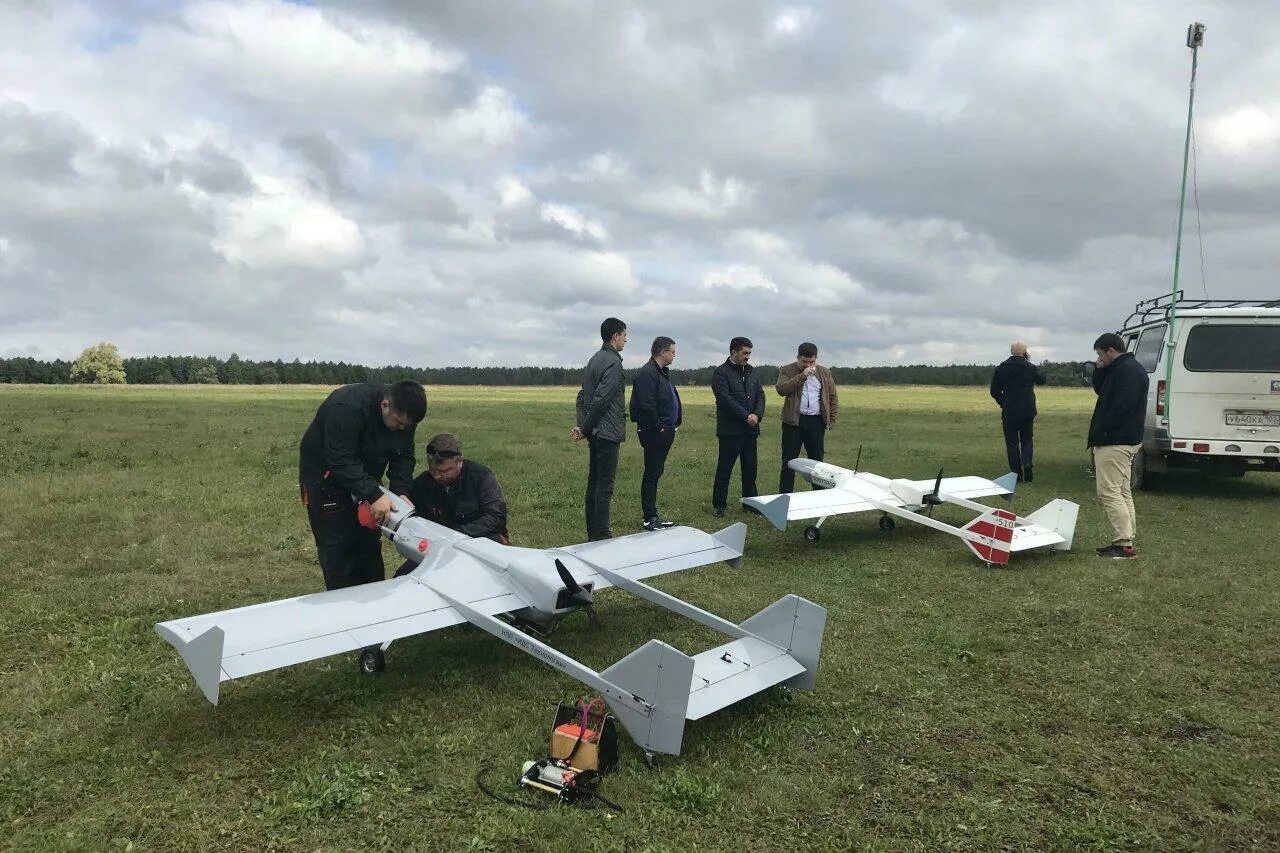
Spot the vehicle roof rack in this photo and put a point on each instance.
(1158, 309)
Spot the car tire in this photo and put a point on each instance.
(1141, 477)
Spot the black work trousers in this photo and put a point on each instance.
(1017, 442)
(349, 553)
(733, 448)
(656, 444)
(602, 471)
(811, 434)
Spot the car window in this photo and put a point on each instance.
(1149, 346)
(1233, 348)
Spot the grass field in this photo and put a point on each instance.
(1064, 702)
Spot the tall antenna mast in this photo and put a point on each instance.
(1195, 38)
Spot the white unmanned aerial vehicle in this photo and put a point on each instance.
(991, 536)
(652, 691)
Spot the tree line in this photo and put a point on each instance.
(210, 370)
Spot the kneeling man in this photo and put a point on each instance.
(460, 494)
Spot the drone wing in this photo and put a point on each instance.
(234, 643)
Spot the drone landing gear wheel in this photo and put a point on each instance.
(812, 533)
(887, 523)
(372, 661)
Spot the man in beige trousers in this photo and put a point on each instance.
(1115, 434)
(809, 410)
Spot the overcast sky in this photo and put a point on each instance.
(438, 183)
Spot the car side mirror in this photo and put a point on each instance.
(1086, 372)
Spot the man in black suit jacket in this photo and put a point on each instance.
(1013, 386)
(739, 410)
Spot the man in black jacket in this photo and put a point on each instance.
(1115, 434)
(655, 408)
(1013, 386)
(359, 433)
(459, 493)
(739, 410)
(601, 420)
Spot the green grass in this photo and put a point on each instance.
(1064, 702)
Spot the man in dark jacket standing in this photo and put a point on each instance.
(1115, 434)
(1013, 386)
(655, 408)
(601, 420)
(739, 410)
(359, 433)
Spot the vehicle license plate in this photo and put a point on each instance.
(1253, 419)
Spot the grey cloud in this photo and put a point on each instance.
(320, 152)
(38, 147)
(923, 181)
(213, 170)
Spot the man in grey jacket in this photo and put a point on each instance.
(601, 420)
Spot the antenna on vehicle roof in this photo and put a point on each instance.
(1195, 38)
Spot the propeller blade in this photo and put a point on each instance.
(567, 579)
(931, 500)
(857, 461)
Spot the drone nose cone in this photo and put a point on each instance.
(803, 467)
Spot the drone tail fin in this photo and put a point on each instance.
(989, 536)
(658, 675)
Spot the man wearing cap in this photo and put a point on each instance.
(459, 493)
(359, 433)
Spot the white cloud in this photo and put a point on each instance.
(281, 228)
(739, 277)
(573, 221)
(1246, 128)
(713, 198)
(792, 22)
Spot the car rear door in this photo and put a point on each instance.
(1226, 382)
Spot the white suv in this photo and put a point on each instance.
(1219, 410)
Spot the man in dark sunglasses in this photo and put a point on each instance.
(459, 493)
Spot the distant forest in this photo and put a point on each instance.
(208, 370)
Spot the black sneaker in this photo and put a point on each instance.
(1118, 552)
(657, 523)
(718, 511)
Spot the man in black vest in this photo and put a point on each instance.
(655, 408)
(359, 433)
(1013, 386)
(739, 410)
